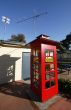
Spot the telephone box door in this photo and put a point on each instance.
(49, 72)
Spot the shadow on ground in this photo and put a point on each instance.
(64, 72)
(67, 96)
(61, 71)
(18, 89)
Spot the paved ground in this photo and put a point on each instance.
(62, 104)
(57, 102)
(14, 97)
(64, 74)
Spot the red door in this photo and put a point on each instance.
(49, 72)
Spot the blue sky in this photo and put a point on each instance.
(57, 23)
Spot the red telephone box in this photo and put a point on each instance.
(44, 78)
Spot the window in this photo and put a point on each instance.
(49, 69)
(36, 68)
(49, 56)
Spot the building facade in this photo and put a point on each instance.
(11, 62)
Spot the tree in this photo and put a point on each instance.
(18, 38)
(67, 41)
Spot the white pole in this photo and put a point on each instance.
(5, 28)
(5, 20)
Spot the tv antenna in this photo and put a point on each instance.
(32, 17)
(5, 20)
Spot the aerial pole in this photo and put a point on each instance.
(5, 20)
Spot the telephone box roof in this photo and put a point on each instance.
(46, 40)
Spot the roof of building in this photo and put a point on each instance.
(12, 44)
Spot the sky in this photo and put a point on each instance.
(56, 23)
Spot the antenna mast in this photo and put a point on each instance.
(5, 20)
(32, 17)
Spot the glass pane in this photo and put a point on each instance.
(33, 75)
(52, 74)
(36, 71)
(46, 53)
(51, 53)
(37, 53)
(36, 84)
(37, 76)
(47, 84)
(52, 66)
(34, 53)
(47, 76)
(34, 80)
(35, 59)
(35, 67)
(47, 67)
(52, 83)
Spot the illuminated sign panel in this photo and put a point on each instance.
(49, 59)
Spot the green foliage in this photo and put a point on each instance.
(64, 86)
(67, 41)
(18, 38)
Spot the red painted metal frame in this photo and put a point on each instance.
(48, 93)
(35, 90)
(44, 93)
